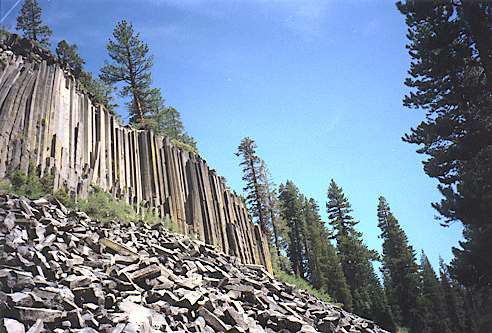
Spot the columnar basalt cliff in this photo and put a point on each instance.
(46, 120)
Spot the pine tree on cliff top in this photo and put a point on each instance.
(171, 124)
(30, 23)
(100, 92)
(400, 270)
(68, 54)
(131, 65)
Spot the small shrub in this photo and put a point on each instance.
(150, 218)
(29, 185)
(169, 224)
(103, 207)
(402, 330)
(282, 263)
(185, 146)
(65, 199)
(302, 284)
(4, 33)
(5, 185)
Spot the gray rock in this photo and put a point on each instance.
(13, 326)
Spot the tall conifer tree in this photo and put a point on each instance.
(431, 315)
(291, 211)
(339, 210)
(256, 184)
(276, 224)
(400, 270)
(30, 23)
(453, 301)
(324, 268)
(355, 257)
(450, 78)
(131, 65)
(380, 310)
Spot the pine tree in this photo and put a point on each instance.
(256, 189)
(312, 241)
(381, 311)
(167, 121)
(171, 124)
(450, 78)
(339, 210)
(291, 212)
(349, 245)
(68, 55)
(453, 301)
(275, 223)
(30, 23)
(430, 315)
(101, 93)
(131, 65)
(355, 257)
(400, 271)
(324, 268)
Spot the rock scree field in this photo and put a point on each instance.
(62, 272)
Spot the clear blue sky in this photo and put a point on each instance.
(317, 83)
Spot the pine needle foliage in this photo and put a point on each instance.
(68, 54)
(450, 82)
(399, 267)
(356, 259)
(30, 23)
(130, 65)
(256, 185)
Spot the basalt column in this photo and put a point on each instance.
(49, 123)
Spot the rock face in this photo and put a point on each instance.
(60, 272)
(46, 120)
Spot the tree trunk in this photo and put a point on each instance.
(274, 227)
(258, 199)
(137, 105)
(34, 35)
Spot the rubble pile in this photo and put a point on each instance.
(62, 272)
